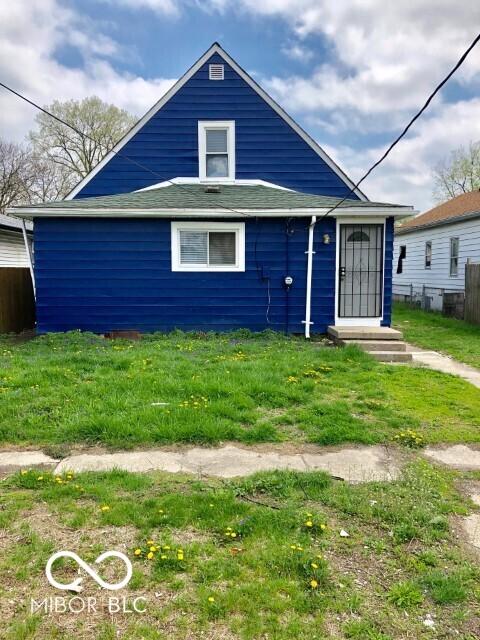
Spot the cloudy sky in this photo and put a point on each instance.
(351, 72)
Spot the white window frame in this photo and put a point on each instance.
(203, 126)
(237, 227)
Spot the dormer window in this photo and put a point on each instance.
(216, 148)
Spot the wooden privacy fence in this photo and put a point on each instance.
(17, 304)
(472, 293)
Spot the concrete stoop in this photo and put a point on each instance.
(382, 343)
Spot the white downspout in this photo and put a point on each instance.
(308, 301)
(29, 256)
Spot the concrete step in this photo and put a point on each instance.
(391, 356)
(376, 345)
(364, 333)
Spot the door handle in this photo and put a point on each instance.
(343, 273)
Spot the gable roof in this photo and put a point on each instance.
(217, 49)
(464, 206)
(192, 200)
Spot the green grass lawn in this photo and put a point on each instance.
(433, 331)
(65, 389)
(256, 558)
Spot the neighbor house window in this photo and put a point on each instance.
(454, 247)
(428, 255)
(208, 246)
(216, 148)
(402, 254)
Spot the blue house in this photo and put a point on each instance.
(214, 213)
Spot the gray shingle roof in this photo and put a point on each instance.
(193, 196)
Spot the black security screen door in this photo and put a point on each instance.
(360, 271)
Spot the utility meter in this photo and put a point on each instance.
(288, 281)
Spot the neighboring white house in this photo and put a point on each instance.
(431, 250)
(12, 246)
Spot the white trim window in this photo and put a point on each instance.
(216, 150)
(454, 251)
(208, 246)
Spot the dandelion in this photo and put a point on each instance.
(163, 557)
(309, 524)
(150, 555)
(105, 507)
(150, 542)
(313, 584)
(40, 478)
(24, 472)
(211, 599)
(323, 526)
(138, 552)
(314, 565)
(153, 548)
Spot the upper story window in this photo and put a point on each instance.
(428, 254)
(454, 250)
(216, 148)
(208, 246)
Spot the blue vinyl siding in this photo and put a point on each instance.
(267, 148)
(101, 275)
(387, 287)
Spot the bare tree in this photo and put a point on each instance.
(15, 174)
(103, 123)
(460, 173)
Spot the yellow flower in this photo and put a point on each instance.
(314, 565)
(323, 526)
(309, 523)
(313, 584)
(160, 511)
(166, 546)
(211, 599)
(138, 552)
(233, 535)
(150, 542)
(150, 555)
(153, 548)
(24, 472)
(105, 507)
(163, 556)
(180, 556)
(40, 478)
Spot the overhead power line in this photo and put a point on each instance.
(419, 113)
(457, 66)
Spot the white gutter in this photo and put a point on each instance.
(29, 256)
(308, 300)
(105, 212)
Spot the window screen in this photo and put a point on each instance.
(217, 153)
(208, 248)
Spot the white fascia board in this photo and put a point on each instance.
(242, 183)
(205, 213)
(216, 48)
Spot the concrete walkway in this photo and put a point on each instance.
(443, 363)
(456, 456)
(353, 464)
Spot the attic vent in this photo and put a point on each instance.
(215, 71)
(212, 188)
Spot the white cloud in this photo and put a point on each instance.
(166, 7)
(406, 176)
(30, 33)
(297, 52)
